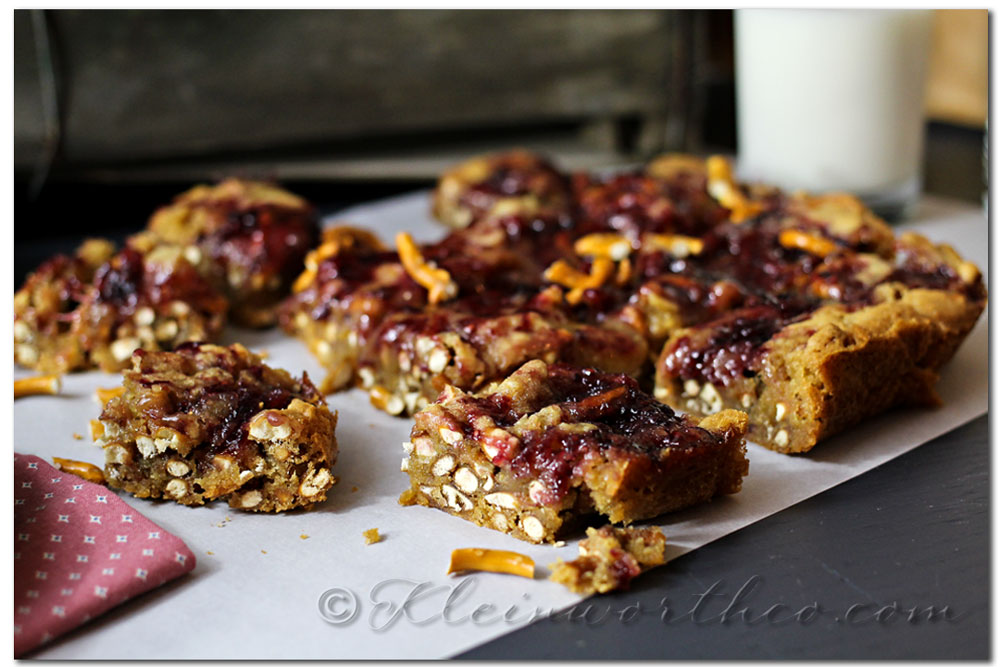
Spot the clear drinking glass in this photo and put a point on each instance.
(833, 99)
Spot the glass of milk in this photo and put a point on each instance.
(833, 99)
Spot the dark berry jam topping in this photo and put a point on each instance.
(128, 281)
(265, 239)
(222, 401)
(70, 276)
(519, 178)
(745, 280)
(624, 568)
(625, 419)
(725, 349)
(633, 203)
(119, 282)
(506, 182)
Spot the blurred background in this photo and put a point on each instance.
(117, 111)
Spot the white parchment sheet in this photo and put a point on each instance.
(261, 581)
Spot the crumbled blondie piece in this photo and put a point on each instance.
(207, 422)
(371, 536)
(610, 558)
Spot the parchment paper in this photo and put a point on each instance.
(261, 581)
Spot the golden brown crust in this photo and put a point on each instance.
(837, 367)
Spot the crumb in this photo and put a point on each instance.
(354, 489)
(303, 536)
(372, 536)
(560, 543)
(610, 558)
(77, 436)
(210, 553)
(262, 551)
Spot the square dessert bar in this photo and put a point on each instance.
(233, 249)
(249, 238)
(552, 445)
(206, 422)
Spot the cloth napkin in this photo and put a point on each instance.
(79, 550)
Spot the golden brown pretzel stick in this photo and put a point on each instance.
(37, 385)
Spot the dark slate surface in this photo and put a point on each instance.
(913, 533)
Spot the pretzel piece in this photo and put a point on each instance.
(675, 244)
(87, 471)
(438, 283)
(724, 190)
(38, 385)
(335, 239)
(797, 239)
(491, 560)
(105, 395)
(612, 246)
(563, 274)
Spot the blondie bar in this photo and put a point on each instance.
(94, 308)
(553, 444)
(206, 422)
(248, 238)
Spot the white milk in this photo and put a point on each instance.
(832, 99)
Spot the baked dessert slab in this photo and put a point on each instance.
(552, 445)
(249, 238)
(207, 422)
(93, 309)
(610, 558)
(719, 293)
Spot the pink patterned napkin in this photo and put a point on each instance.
(79, 550)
